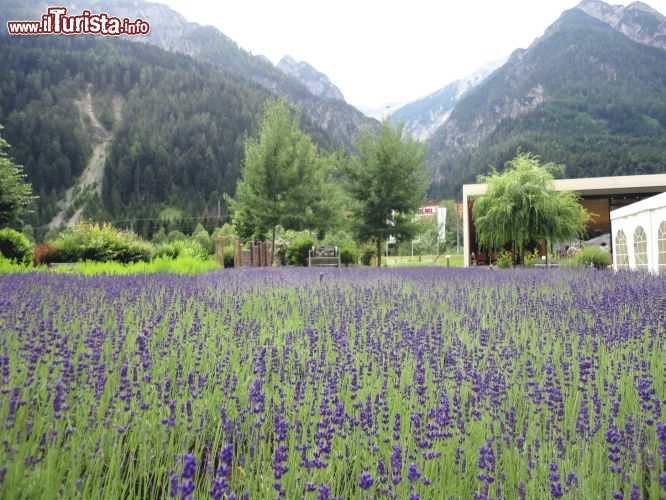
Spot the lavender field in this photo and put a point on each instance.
(352, 383)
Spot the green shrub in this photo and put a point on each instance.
(590, 257)
(226, 230)
(176, 235)
(201, 236)
(193, 249)
(367, 254)
(10, 266)
(15, 246)
(182, 248)
(165, 250)
(299, 250)
(159, 236)
(504, 260)
(348, 253)
(530, 258)
(229, 255)
(101, 243)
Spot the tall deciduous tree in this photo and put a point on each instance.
(283, 180)
(521, 206)
(16, 198)
(386, 181)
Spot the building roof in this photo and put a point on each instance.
(589, 186)
(651, 203)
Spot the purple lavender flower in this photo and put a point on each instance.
(60, 398)
(556, 490)
(281, 456)
(486, 463)
(281, 428)
(365, 480)
(522, 493)
(221, 480)
(309, 487)
(187, 484)
(661, 435)
(486, 460)
(257, 396)
(396, 427)
(226, 455)
(572, 480)
(396, 463)
(174, 483)
(324, 492)
(413, 473)
(613, 439)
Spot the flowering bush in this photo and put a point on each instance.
(102, 243)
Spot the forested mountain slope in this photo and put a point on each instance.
(177, 143)
(585, 95)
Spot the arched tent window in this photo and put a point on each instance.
(661, 248)
(621, 252)
(640, 248)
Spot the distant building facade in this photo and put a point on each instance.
(599, 195)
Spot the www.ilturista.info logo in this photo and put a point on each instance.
(57, 22)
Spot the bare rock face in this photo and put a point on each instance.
(638, 21)
(315, 81)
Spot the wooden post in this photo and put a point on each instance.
(238, 255)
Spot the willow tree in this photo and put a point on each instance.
(521, 206)
(386, 181)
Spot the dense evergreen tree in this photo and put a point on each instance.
(283, 181)
(386, 181)
(16, 196)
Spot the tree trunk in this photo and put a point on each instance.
(273, 248)
(379, 252)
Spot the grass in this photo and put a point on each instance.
(181, 265)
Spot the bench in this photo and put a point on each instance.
(325, 256)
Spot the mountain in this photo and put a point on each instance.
(639, 22)
(424, 116)
(121, 131)
(144, 135)
(171, 31)
(315, 81)
(589, 94)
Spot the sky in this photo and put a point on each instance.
(381, 53)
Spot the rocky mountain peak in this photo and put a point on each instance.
(315, 81)
(638, 21)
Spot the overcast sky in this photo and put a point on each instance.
(383, 52)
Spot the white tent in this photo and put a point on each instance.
(639, 235)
